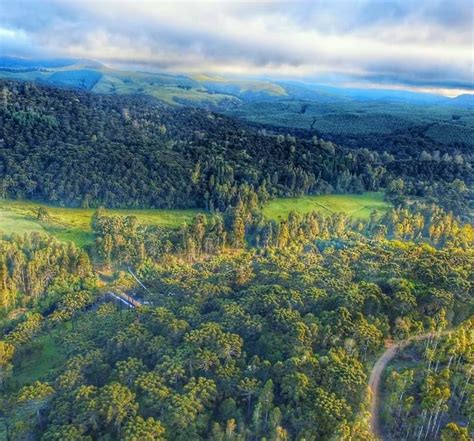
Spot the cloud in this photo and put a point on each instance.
(428, 43)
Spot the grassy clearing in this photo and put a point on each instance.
(358, 206)
(74, 224)
(11, 222)
(41, 363)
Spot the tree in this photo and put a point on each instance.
(127, 371)
(66, 432)
(329, 411)
(116, 405)
(265, 399)
(248, 388)
(42, 214)
(453, 432)
(35, 398)
(283, 235)
(6, 355)
(295, 386)
(238, 232)
(139, 429)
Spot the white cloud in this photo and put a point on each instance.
(426, 44)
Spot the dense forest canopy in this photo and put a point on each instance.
(81, 149)
(139, 152)
(242, 328)
(271, 341)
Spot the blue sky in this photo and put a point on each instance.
(419, 45)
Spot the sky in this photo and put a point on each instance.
(425, 45)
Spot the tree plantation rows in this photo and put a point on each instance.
(78, 149)
(434, 398)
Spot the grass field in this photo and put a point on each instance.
(358, 206)
(75, 223)
(40, 363)
(11, 222)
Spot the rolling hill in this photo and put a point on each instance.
(94, 76)
(352, 117)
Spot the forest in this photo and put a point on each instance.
(250, 329)
(244, 327)
(429, 385)
(142, 153)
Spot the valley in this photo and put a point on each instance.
(202, 257)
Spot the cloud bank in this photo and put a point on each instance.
(425, 44)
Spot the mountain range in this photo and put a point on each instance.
(213, 92)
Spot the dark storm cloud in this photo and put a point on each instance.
(422, 43)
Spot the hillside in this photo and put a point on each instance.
(255, 310)
(92, 75)
(139, 152)
(394, 126)
(357, 118)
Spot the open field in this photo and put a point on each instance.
(11, 222)
(41, 362)
(74, 223)
(355, 205)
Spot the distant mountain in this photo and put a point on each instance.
(321, 93)
(466, 100)
(216, 93)
(247, 90)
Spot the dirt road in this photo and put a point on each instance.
(374, 385)
(376, 375)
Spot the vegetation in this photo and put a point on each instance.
(46, 358)
(373, 124)
(140, 153)
(429, 388)
(357, 206)
(258, 311)
(125, 240)
(74, 224)
(30, 264)
(11, 222)
(245, 330)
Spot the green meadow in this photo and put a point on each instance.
(358, 206)
(40, 364)
(74, 224)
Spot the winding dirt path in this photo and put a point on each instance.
(374, 386)
(376, 376)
